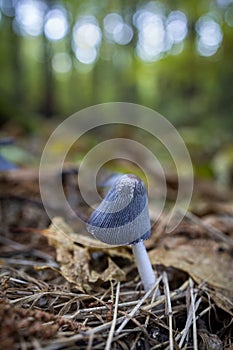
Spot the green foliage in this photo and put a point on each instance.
(186, 88)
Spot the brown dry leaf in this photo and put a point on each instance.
(73, 259)
(113, 272)
(74, 253)
(201, 259)
(210, 341)
(88, 241)
(20, 182)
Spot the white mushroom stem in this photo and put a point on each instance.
(144, 265)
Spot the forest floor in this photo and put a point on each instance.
(61, 291)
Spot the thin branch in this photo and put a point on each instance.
(169, 308)
(65, 341)
(155, 294)
(112, 329)
(189, 320)
(195, 345)
(162, 298)
(90, 341)
(136, 308)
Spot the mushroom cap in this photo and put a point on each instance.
(122, 217)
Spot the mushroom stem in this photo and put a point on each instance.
(144, 265)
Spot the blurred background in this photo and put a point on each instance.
(176, 57)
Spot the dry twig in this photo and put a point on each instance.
(112, 329)
(136, 308)
(169, 308)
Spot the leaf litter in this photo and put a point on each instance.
(61, 289)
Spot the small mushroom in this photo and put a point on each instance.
(122, 218)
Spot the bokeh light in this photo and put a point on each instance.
(176, 49)
(229, 16)
(116, 30)
(86, 39)
(158, 31)
(62, 62)
(158, 34)
(87, 34)
(151, 36)
(8, 7)
(56, 24)
(224, 3)
(123, 34)
(86, 55)
(177, 26)
(152, 7)
(209, 36)
(29, 16)
(110, 22)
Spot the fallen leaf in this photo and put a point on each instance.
(74, 254)
(202, 260)
(210, 341)
(113, 272)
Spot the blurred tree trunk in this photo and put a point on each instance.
(48, 103)
(17, 66)
(48, 94)
(16, 78)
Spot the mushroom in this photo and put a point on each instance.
(122, 218)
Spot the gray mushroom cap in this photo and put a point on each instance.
(122, 217)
